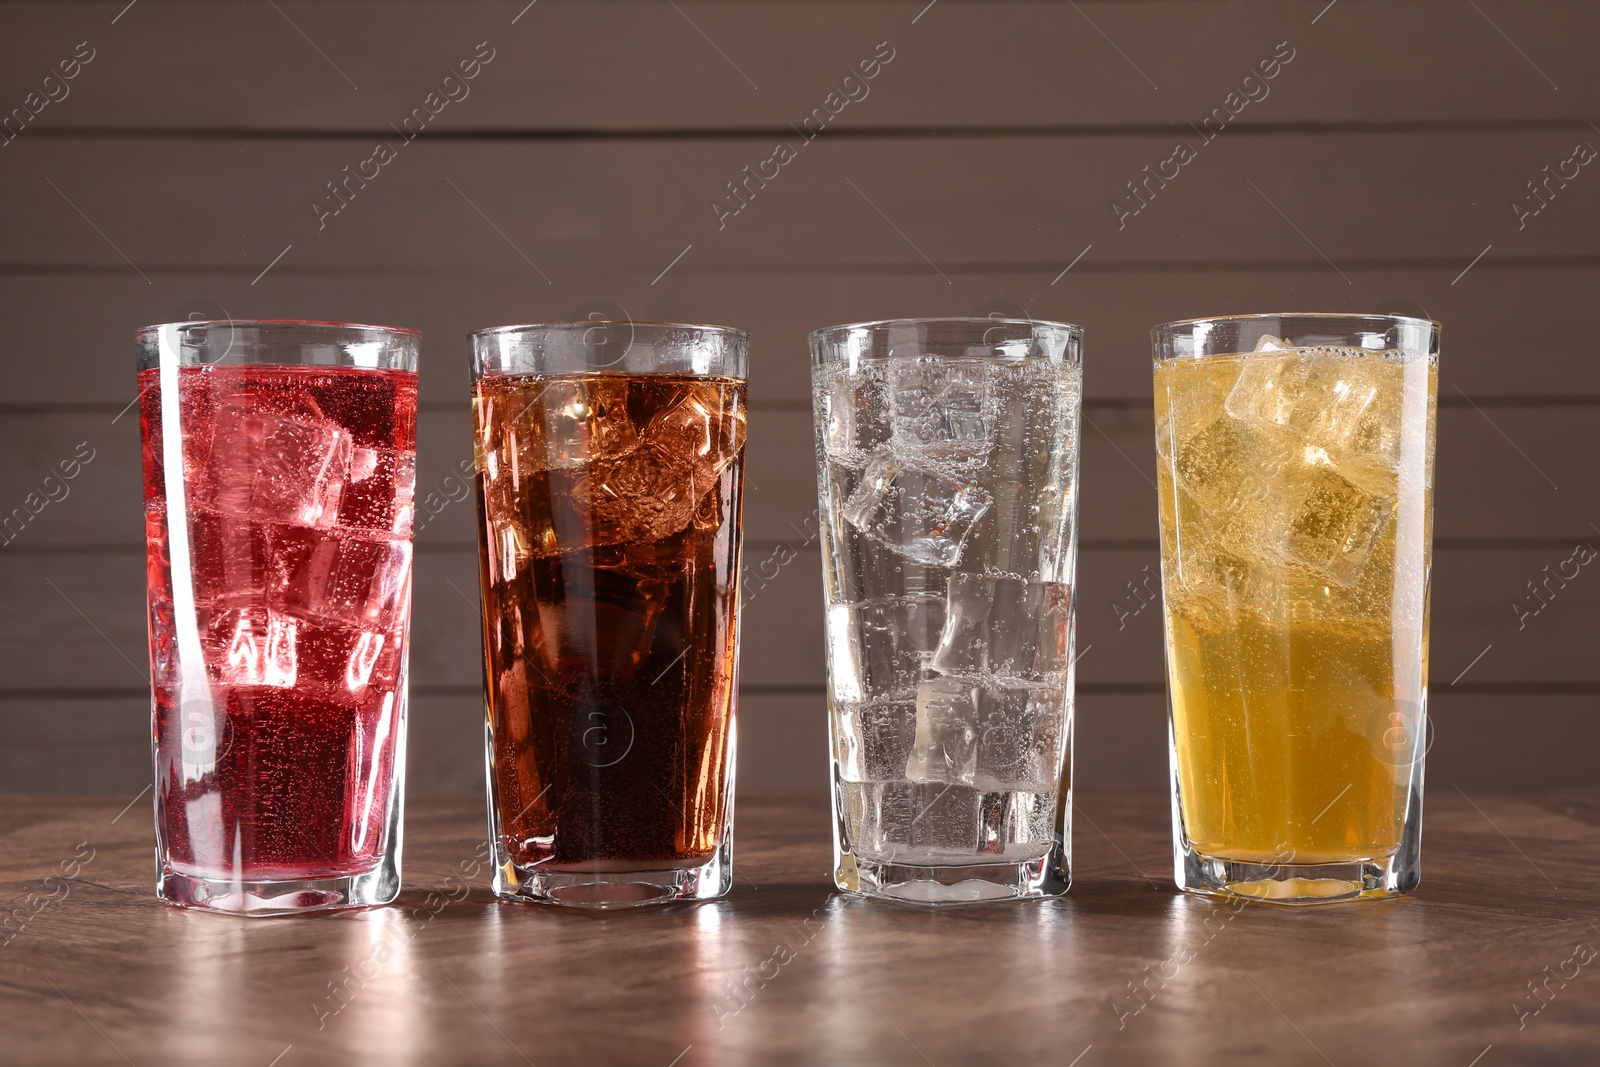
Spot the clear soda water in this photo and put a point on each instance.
(948, 489)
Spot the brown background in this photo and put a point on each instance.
(983, 162)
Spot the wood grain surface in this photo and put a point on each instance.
(786, 971)
(582, 169)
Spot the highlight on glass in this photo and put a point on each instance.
(1296, 497)
(610, 471)
(279, 467)
(947, 463)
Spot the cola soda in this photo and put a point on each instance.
(609, 519)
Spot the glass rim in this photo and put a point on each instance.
(406, 331)
(566, 324)
(1070, 328)
(1323, 316)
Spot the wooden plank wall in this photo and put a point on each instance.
(1381, 167)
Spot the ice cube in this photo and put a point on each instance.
(942, 410)
(645, 496)
(379, 494)
(1376, 442)
(1332, 522)
(229, 558)
(253, 645)
(919, 514)
(1007, 628)
(898, 633)
(578, 421)
(1268, 390)
(852, 405)
(1228, 464)
(881, 815)
(1020, 738)
(1189, 408)
(700, 429)
(944, 820)
(550, 425)
(659, 487)
(1219, 582)
(1317, 395)
(274, 468)
(1023, 533)
(1016, 824)
(1307, 512)
(1348, 397)
(878, 646)
(1377, 435)
(342, 576)
(945, 748)
(1372, 592)
(547, 513)
(344, 657)
(874, 740)
(704, 432)
(1269, 343)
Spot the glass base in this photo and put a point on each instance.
(1047, 876)
(1304, 883)
(616, 885)
(1311, 883)
(264, 899)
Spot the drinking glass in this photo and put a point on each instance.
(1296, 493)
(947, 460)
(610, 469)
(279, 467)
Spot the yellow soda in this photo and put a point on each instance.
(1295, 550)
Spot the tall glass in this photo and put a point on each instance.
(1296, 491)
(279, 467)
(610, 469)
(947, 461)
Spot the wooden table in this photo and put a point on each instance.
(786, 971)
